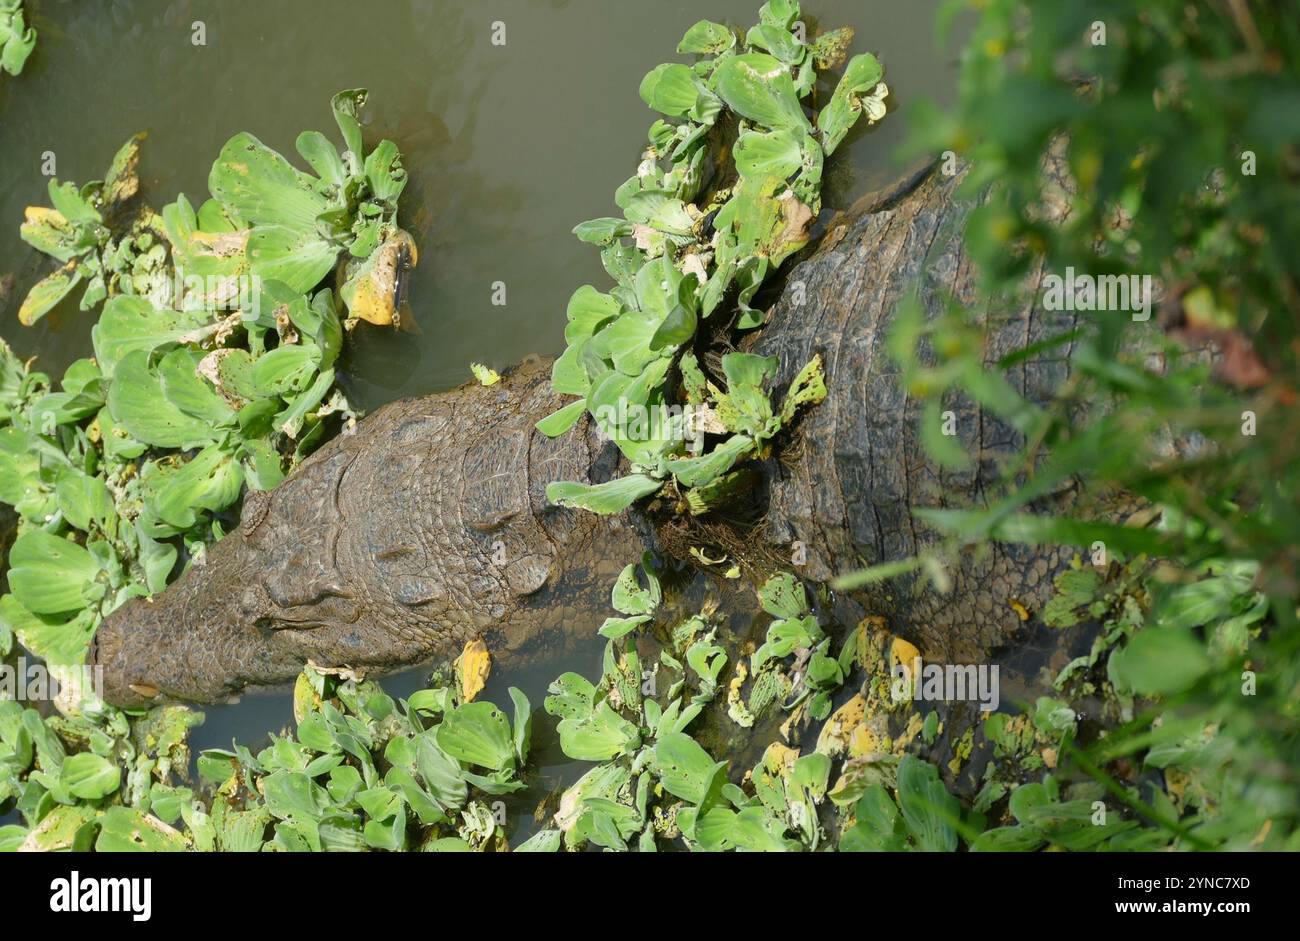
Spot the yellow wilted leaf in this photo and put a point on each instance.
(374, 286)
(472, 669)
(869, 738)
(44, 215)
(305, 700)
(779, 759)
(48, 292)
(900, 651)
(834, 736)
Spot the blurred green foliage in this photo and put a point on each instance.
(1179, 123)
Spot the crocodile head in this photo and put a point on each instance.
(390, 546)
(203, 640)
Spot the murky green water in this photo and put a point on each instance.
(507, 148)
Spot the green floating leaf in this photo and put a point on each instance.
(297, 257)
(571, 696)
(685, 769)
(628, 597)
(776, 153)
(783, 596)
(562, 419)
(83, 499)
(478, 733)
(88, 776)
(347, 106)
(599, 736)
(18, 42)
(49, 574)
(781, 13)
(928, 809)
(670, 89)
(212, 480)
(322, 157)
(56, 639)
(137, 402)
(543, 841)
(523, 723)
(699, 471)
(808, 388)
(184, 388)
(131, 324)
(602, 231)
(880, 827)
(758, 87)
(614, 628)
(256, 184)
(126, 830)
(859, 91)
(707, 38)
(286, 369)
(614, 496)
(777, 40)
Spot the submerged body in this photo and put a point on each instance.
(429, 525)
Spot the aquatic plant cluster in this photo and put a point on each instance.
(17, 39)
(213, 370)
(364, 771)
(726, 191)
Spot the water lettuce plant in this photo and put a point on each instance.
(655, 783)
(213, 369)
(17, 39)
(364, 771)
(727, 189)
(294, 226)
(86, 229)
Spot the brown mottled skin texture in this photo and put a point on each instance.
(861, 466)
(429, 525)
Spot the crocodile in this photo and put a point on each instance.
(428, 525)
